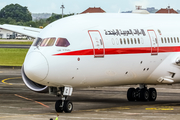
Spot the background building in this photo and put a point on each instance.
(167, 10)
(5, 34)
(94, 10)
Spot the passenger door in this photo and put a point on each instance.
(97, 43)
(154, 42)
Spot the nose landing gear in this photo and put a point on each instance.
(64, 104)
(141, 94)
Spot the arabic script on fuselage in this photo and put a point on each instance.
(119, 32)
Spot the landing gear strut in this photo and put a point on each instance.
(64, 104)
(141, 94)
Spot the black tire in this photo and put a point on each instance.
(138, 94)
(68, 106)
(131, 94)
(57, 106)
(152, 94)
(144, 94)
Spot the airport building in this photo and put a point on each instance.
(5, 34)
(167, 10)
(94, 10)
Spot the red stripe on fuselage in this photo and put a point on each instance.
(115, 51)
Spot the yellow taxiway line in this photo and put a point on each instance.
(159, 108)
(3, 81)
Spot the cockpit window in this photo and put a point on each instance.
(62, 42)
(48, 42)
(37, 42)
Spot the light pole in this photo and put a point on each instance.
(62, 7)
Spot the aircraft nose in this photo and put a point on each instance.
(36, 66)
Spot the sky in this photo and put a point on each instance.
(78, 6)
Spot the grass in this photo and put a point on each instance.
(16, 43)
(12, 56)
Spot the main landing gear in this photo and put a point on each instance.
(141, 94)
(64, 104)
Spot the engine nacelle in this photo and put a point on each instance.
(32, 85)
(178, 61)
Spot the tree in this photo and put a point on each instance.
(55, 17)
(31, 24)
(17, 15)
(16, 12)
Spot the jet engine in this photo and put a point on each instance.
(178, 61)
(32, 85)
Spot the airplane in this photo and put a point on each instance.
(103, 49)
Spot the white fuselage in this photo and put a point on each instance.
(108, 50)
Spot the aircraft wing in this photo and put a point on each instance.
(28, 31)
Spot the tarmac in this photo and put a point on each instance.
(17, 102)
(14, 45)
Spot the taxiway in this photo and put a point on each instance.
(14, 46)
(17, 102)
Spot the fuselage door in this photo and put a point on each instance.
(154, 42)
(97, 43)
